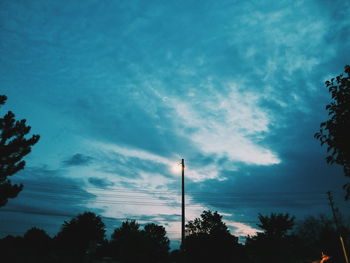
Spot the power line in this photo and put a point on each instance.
(60, 214)
(128, 200)
(151, 190)
(142, 195)
(202, 198)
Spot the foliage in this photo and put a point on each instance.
(127, 242)
(37, 245)
(34, 246)
(176, 256)
(131, 244)
(316, 235)
(208, 223)
(13, 147)
(157, 243)
(10, 247)
(36, 237)
(209, 240)
(82, 234)
(276, 224)
(273, 245)
(335, 132)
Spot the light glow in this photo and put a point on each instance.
(176, 168)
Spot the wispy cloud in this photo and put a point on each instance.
(241, 229)
(230, 125)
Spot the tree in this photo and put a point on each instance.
(82, 234)
(157, 243)
(127, 242)
(131, 244)
(13, 147)
(209, 240)
(11, 249)
(276, 224)
(318, 234)
(274, 244)
(335, 132)
(36, 238)
(37, 245)
(208, 223)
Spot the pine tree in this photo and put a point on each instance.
(13, 147)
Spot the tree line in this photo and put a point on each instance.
(208, 239)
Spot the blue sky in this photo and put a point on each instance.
(120, 91)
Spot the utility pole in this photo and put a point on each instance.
(183, 204)
(331, 203)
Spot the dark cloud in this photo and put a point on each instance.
(99, 182)
(48, 196)
(78, 159)
(297, 185)
(129, 166)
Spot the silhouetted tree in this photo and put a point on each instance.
(335, 132)
(13, 147)
(131, 244)
(274, 244)
(208, 223)
(157, 243)
(36, 237)
(176, 256)
(81, 235)
(276, 224)
(36, 245)
(103, 250)
(11, 248)
(128, 243)
(318, 234)
(209, 240)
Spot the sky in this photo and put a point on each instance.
(121, 91)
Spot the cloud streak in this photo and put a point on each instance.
(228, 126)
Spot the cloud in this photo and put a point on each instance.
(132, 163)
(78, 159)
(229, 125)
(240, 229)
(55, 185)
(99, 182)
(137, 153)
(43, 187)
